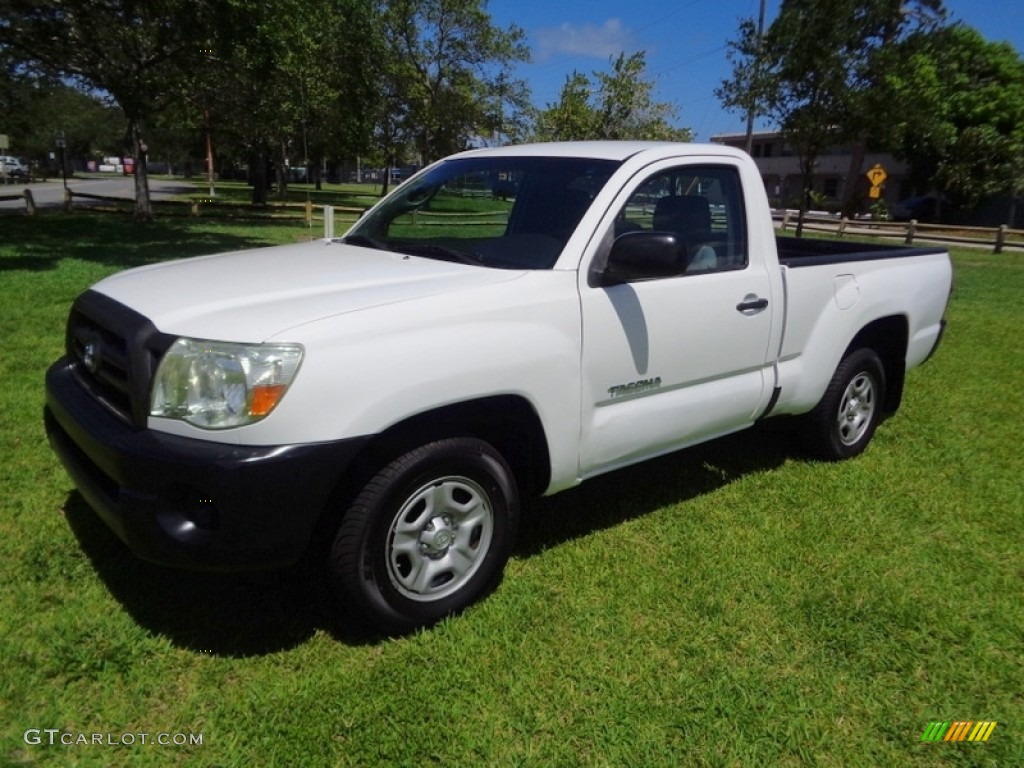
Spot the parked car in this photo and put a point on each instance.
(922, 208)
(384, 400)
(13, 169)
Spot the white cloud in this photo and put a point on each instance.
(609, 39)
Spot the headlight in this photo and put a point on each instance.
(216, 385)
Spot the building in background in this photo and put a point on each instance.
(780, 171)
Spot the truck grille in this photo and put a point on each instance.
(113, 352)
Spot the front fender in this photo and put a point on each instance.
(366, 371)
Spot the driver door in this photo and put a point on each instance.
(672, 361)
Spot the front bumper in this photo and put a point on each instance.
(192, 503)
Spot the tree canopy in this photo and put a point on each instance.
(614, 105)
(137, 53)
(963, 126)
(310, 82)
(273, 81)
(816, 71)
(448, 71)
(319, 82)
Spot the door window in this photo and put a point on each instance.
(700, 205)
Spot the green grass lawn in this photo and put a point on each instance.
(240, 192)
(734, 604)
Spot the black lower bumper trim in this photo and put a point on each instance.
(192, 503)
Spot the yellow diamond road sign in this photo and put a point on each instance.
(877, 175)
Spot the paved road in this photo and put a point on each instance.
(48, 194)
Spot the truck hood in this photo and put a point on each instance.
(252, 296)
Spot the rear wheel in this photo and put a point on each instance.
(428, 535)
(843, 423)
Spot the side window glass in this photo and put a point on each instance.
(702, 206)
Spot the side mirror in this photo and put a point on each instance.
(637, 256)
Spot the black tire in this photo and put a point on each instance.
(427, 536)
(843, 423)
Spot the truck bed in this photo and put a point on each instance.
(806, 252)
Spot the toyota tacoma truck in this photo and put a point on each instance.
(508, 322)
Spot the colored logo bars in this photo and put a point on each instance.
(962, 730)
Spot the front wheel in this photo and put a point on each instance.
(428, 535)
(842, 424)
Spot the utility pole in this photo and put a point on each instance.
(757, 68)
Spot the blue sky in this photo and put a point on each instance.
(685, 43)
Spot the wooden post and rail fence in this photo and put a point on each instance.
(194, 207)
(30, 202)
(998, 238)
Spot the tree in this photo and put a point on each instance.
(447, 75)
(815, 73)
(290, 79)
(962, 128)
(616, 105)
(134, 52)
(36, 112)
(573, 117)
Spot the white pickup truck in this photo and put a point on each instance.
(507, 322)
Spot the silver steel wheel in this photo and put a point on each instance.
(843, 422)
(857, 408)
(439, 538)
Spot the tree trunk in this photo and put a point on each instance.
(282, 172)
(850, 202)
(387, 177)
(143, 204)
(258, 176)
(210, 175)
(317, 173)
(806, 185)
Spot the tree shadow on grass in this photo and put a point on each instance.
(40, 243)
(251, 614)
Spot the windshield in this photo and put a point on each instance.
(509, 212)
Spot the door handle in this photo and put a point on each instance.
(752, 304)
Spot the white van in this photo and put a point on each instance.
(12, 168)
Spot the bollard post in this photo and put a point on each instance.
(30, 203)
(911, 227)
(67, 200)
(328, 222)
(195, 207)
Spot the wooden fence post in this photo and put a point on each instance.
(195, 207)
(842, 226)
(785, 220)
(911, 227)
(309, 213)
(30, 203)
(67, 200)
(1000, 238)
